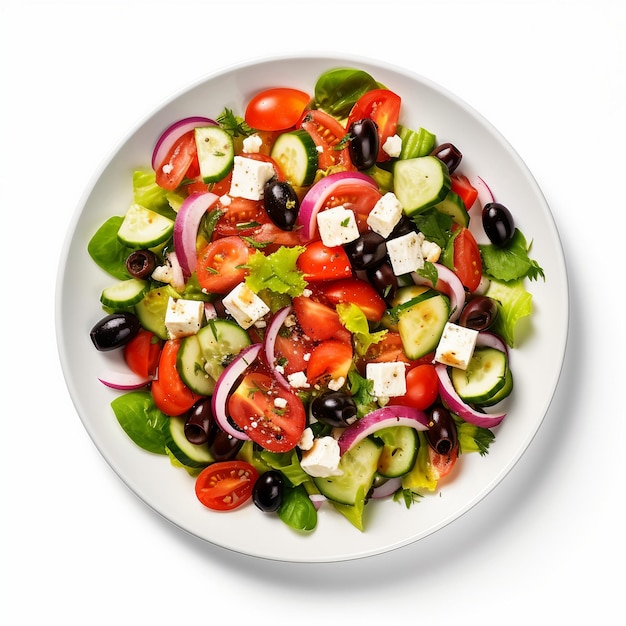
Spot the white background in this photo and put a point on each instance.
(546, 545)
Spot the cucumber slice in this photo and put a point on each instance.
(296, 154)
(400, 445)
(219, 341)
(187, 453)
(151, 309)
(190, 363)
(359, 466)
(124, 294)
(216, 152)
(453, 206)
(415, 143)
(502, 393)
(421, 324)
(420, 183)
(484, 377)
(144, 228)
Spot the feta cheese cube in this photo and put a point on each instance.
(385, 215)
(183, 317)
(405, 253)
(322, 458)
(393, 145)
(456, 345)
(245, 306)
(430, 251)
(337, 226)
(388, 379)
(252, 143)
(298, 380)
(306, 441)
(249, 178)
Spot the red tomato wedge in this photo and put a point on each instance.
(221, 264)
(317, 320)
(319, 262)
(226, 485)
(464, 189)
(422, 385)
(142, 353)
(330, 359)
(327, 133)
(468, 264)
(358, 292)
(170, 173)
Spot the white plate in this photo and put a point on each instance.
(536, 364)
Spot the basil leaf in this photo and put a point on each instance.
(512, 262)
(337, 90)
(107, 250)
(297, 510)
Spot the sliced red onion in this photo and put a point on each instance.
(173, 133)
(317, 499)
(186, 228)
(124, 381)
(270, 343)
(178, 277)
(388, 488)
(486, 339)
(315, 197)
(485, 195)
(224, 385)
(392, 415)
(456, 405)
(448, 283)
(210, 313)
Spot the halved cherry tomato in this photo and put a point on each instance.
(142, 353)
(241, 217)
(383, 107)
(171, 172)
(442, 463)
(358, 292)
(331, 359)
(320, 262)
(170, 394)
(226, 485)
(274, 237)
(327, 133)
(359, 197)
(278, 108)
(422, 388)
(468, 264)
(317, 320)
(254, 408)
(463, 188)
(292, 351)
(221, 264)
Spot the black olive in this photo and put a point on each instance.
(479, 313)
(268, 490)
(384, 280)
(222, 446)
(199, 422)
(281, 203)
(448, 154)
(364, 143)
(498, 223)
(405, 226)
(334, 408)
(368, 251)
(141, 263)
(441, 433)
(114, 331)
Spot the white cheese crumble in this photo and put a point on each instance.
(405, 253)
(245, 306)
(252, 144)
(322, 458)
(388, 379)
(337, 226)
(456, 345)
(385, 215)
(393, 145)
(183, 317)
(298, 380)
(249, 178)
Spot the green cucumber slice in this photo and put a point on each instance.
(187, 453)
(415, 143)
(190, 364)
(400, 445)
(124, 294)
(503, 392)
(420, 183)
(220, 340)
(453, 206)
(484, 377)
(216, 152)
(296, 154)
(144, 228)
(151, 309)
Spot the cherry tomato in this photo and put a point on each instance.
(383, 107)
(241, 217)
(327, 133)
(317, 320)
(254, 408)
(320, 262)
(330, 359)
(468, 265)
(142, 353)
(292, 351)
(422, 388)
(220, 264)
(170, 394)
(358, 292)
(181, 157)
(463, 188)
(359, 197)
(443, 463)
(226, 485)
(279, 108)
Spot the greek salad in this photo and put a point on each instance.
(303, 310)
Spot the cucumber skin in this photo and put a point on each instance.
(134, 288)
(462, 386)
(187, 453)
(298, 174)
(421, 168)
(214, 167)
(400, 445)
(129, 232)
(188, 360)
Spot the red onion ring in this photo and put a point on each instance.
(388, 488)
(178, 277)
(270, 343)
(124, 381)
(173, 133)
(485, 195)
(486, 339)
(448, 283)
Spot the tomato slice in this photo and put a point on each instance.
(226, 485)
(320, 262)
(221, 264)
(443, 463)
(468, 265)
(292, 350)
(142, 353)
(358, 292)
(241, 217)
(383, 107)
(317, 320)
(330, 359)
(278, 108)
(462, 187)
(327, 133)
(422, 385)
(170, 394)
(183, 154)
(256, 407)
(359, 197)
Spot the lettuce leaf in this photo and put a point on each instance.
(276, 271)
(512, 262)
(515, 303)
(355, 321)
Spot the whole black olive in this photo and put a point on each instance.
(199, 422)
(441, 433)
(498, 223)
(334, 408)
(222, 446)
(368, 251)
(268, 490)
(281, 203)
(114, 331)
(448, 154)
(479, 313)
(141, 263)
(364, 143)
(384, 280)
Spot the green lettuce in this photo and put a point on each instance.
(353, 318)
(515, 303)
(277, 271)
